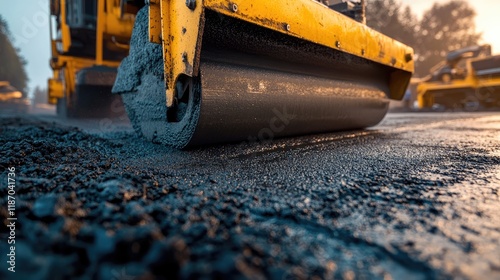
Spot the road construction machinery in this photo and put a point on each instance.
(89, 38)
(468, 80)
(210, 71)
(12, 100)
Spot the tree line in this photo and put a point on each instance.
(444, 27)
(12, 64)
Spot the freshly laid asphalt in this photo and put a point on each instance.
(416, 197)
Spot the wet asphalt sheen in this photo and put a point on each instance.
(416, 197)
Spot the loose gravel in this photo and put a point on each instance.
(395, 202)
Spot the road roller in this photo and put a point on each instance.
(467, 80)
(88, 40)
(202, 72)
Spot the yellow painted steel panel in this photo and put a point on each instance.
(180, 38)
(181, 31)
(314, 22)
(154, 21)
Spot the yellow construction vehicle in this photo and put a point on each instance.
(210, 71)
(468, 80)
(12, 100)
(89, 38)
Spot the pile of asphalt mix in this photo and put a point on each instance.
(95, 208)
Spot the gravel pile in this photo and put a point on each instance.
(366, 207)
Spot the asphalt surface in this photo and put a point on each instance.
(416, 197)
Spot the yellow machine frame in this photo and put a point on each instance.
(178, 26)
(111, 21)
(425, 96)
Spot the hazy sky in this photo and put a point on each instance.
(28, 22)
(29, 26)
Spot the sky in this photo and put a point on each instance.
(29, 26)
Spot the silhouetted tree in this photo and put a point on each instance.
(443, 28)
(11, 63)
(39, 95)
(392, 19)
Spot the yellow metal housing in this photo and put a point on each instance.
(112, 23)
(113, 30)
(56, 90)
(65, 68)
(472, 85)
(179, 28)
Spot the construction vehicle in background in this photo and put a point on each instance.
(89, 38)
(210, 71)
(12, 100)
(468, 80)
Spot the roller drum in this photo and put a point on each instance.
(241, 103)
(253, 84)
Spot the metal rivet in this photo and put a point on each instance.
(363, 52)
(408, 57)
(184, 57)
(337, 44)
(287, 27)
(191, 4)
(234, 7)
